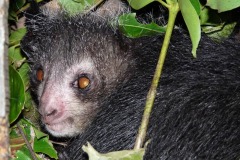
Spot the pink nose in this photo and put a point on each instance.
(50, 114)
(51, 107)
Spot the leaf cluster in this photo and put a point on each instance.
(26, 140)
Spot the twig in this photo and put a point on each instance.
(27, 143)
(173, 10)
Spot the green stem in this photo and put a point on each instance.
(173, 10)
(27, 143)
(163, 3)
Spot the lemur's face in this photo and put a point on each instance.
(74, 67)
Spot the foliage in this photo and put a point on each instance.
(196, 15)
(222, 5)
(20, 101)
(132, 28)
(75, 7)
(118, 155)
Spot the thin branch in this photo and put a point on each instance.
(173, 10)
(164, 4)
(27, 143)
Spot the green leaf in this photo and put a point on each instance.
(17, 94)
(44, 146)
(19, 62)
(23, 154)
(23, 71)
(39, 134)
(17, 5)
(14, 7)
(30, 111)
(41, 143)
(16, 141)
(223, 5)
(192, 21)
(12, 16)
(138, 4)
(16, 36)
(15, 53)
(204, 15)
(16, 58)
(74, 7)
(133, 29)
(26, 127)
(118, 155)
(197, 6)
(219, 32)
(13, 133)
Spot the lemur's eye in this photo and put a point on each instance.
(83, 82)
(39, 75)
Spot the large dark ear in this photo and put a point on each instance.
(34, 18)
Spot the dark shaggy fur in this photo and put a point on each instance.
(196, 113)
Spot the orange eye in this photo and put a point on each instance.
(40, 75)
(83, 82)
